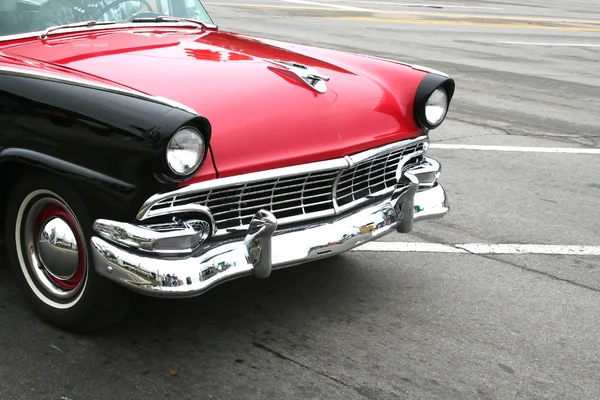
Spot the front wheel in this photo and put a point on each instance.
(47, 235)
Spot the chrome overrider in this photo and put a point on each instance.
(154, 263)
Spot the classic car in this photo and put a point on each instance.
(145, 151)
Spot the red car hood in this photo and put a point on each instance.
(260, 118)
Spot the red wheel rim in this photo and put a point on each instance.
(48, 212)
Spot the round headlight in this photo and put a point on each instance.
(436, 107)
(185, 151)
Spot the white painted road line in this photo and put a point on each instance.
(388, 3)
(553, 44)
(567, 150)
(336, 6)
(409, 247)
(480, 248)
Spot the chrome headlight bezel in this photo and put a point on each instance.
(192, 138)
(431, 88)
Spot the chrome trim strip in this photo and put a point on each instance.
(93, 85)
(319, 166)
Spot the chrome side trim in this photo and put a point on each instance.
(334, 164)
(93, 85)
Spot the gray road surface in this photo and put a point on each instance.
(383, 325)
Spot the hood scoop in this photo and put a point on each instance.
(302, 73)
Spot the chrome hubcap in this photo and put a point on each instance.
(57, 246)
(54, 245)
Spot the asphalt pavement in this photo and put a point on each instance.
(394, 324)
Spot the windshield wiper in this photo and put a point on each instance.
(91, 23)
(166, 18)
(83, 24)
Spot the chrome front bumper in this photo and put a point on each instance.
(263, 248)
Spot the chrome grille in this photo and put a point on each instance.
(235, 206)
(371, 177)
(298, 197)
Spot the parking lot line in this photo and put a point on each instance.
(552, 44)
(480, 248)
(565, 150)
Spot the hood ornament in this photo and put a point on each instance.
(308, 75)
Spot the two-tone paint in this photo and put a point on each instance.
(106, 140)
(261, 117)
(309, 153)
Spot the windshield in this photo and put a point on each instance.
(24, 16)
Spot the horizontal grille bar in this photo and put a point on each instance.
(371, 176)
(298, 196)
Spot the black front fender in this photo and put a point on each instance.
(104, 140)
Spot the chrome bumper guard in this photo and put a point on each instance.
(151, 270)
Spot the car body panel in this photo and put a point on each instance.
(297, 153)
(261, 118)
(104, 139)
